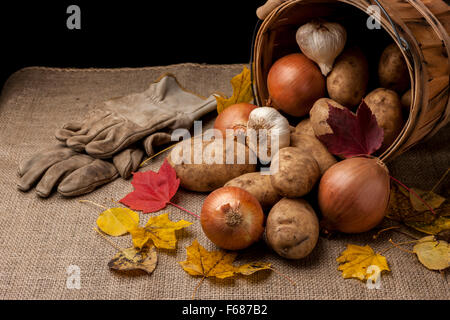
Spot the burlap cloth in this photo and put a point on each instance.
(41, 238)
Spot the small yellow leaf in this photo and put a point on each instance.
(159, 229)
(251, 268)
(132, 259)
(117, 221)
(219, 264)
(435, 255)
(432, 199)
(242, 91)
(356, 260)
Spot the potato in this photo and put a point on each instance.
(211, 171)
(319, 115)
(259, 186)
(347, 82)
(311, 145)
(406, 100)
(304, 127)
(293, 172)
(393, 71)
(292, 228)
(387, 108)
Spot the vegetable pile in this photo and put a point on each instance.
(315, 146)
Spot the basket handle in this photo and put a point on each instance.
(401, 40)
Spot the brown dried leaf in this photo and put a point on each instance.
(402, 208)
(133, 259)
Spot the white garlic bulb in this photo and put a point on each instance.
(267, 132)
(322, 42)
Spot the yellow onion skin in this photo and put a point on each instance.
(294, 83)
(234, 117)
(232, 218)
(354, 195)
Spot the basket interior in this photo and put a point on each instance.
(278, 37)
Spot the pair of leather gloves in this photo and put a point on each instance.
(105, 145)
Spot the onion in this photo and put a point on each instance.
(234, 117)
(232, 218)
(354, 195)
(295, 83)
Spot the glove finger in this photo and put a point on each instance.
(87, 178)
(79, 142)
(128, 161)
(155, 140)
(58, 171)
(25, 165)
(35, 168)
(77, 128)
(116, 139)
(69, 130)
(206, 107)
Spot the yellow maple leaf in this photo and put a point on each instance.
(117, 221)
(219, 264)
(356, 260)
(242, 91)
(159, 229)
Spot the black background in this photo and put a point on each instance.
(128, 33)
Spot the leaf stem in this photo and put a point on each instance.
(414, 193)
(181, 208)
(384, 230)
(109, 241)
(95, 204)
(157, 154)
(285, 276)
(440, 180)
(198, 286)
(397, 245)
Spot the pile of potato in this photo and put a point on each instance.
(292, 226)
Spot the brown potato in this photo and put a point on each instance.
(387, 108)
(347, 82)
(319, 115)
(292, 228)
(311, 145)
(393, 71)
(406, 100)
(259, 186)
(293, 172)
(207, 174)
(304, 127)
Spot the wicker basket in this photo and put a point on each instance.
(420, 29)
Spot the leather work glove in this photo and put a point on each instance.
(118, 123)
(74, 173)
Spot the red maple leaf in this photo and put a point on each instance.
(153, 191)
(353, 135)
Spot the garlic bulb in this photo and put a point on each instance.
(267, 132)
(322, 42)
